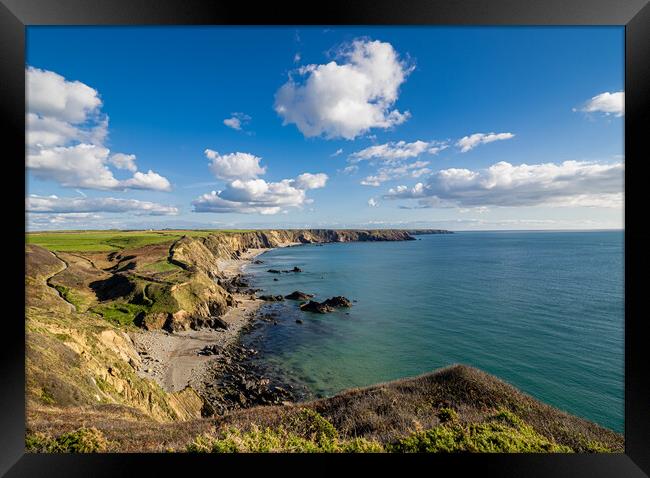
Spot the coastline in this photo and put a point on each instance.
(172, 359)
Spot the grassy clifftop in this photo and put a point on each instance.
(457, 409)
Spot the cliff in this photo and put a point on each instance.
(80, 303)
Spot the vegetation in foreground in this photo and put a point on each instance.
(309, 432)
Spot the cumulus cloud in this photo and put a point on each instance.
(237, 121)
(234, 165)
(607, 103)
(571, 183)
(85, 166)
(346, 99)
(66, 131)
(310, 181)
(372, 202)
(246, 193)
(467, 143)
(81, 205)
(123, 161)
(251, 196)
(149, 180)
(51, 95)
(79, 166)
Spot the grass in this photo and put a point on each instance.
(83, 440)
(113, 240)
(120, 313)
(309, 432)
(315, 435)
(501, 433)
(70, 295)
(161, 266)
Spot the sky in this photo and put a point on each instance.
(462, 128)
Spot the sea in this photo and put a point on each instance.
(541, 310)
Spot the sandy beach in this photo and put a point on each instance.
(172, 359)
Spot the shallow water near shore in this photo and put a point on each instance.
(541, 310)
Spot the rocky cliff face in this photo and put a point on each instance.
(78, 359)
(78, 303)
(230, 246)
(191, 303)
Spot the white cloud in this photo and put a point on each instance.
(248, 194)
(353, 168)
(571, 183)
(252, 196)
(397, 151)
(336, 153)
(607, 103)
(413, 170)
(123, 161)
(149, 180)
(348, 99)
(467, 143)
(81, 205)
(393, 158)
(85, 166)
(80, 166)
(234, 165)
(372, 202)
(51, 95)
(237, 120)
(310, 181)
(66, 131)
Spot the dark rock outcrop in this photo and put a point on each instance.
(318, 307)
(297, 295)
(338, 301)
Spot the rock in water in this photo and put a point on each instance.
(297, 295)
(274, 271)
(296, 269)
(313, 306)
(338, 301)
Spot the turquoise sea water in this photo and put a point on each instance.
(541, 310)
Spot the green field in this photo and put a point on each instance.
(107, 241)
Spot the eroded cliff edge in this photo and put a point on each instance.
(80, 306)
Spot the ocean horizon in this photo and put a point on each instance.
(545, 312)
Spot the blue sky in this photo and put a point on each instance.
(540, 109)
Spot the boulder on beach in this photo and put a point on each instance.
(258, 261)
(318, 307)
(297, 295)
(338, 301)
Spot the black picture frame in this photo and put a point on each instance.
(15, 15)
